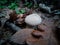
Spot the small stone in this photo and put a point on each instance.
(42, 27)
(37, 34)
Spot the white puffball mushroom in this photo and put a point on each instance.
(33, 19)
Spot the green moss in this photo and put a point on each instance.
(11, 3)
(3, 1)
(22, 11)
(13, 6)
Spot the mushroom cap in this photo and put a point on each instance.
(33, 19)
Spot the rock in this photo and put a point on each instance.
(46, 23)
(43, 27)
(46, 28)
(37, 34)
(24, 36)
(36, 42)
(20, 36)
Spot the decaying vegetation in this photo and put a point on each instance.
(14, 30)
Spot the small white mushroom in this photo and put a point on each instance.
(33, 19)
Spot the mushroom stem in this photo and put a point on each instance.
(33, 20)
